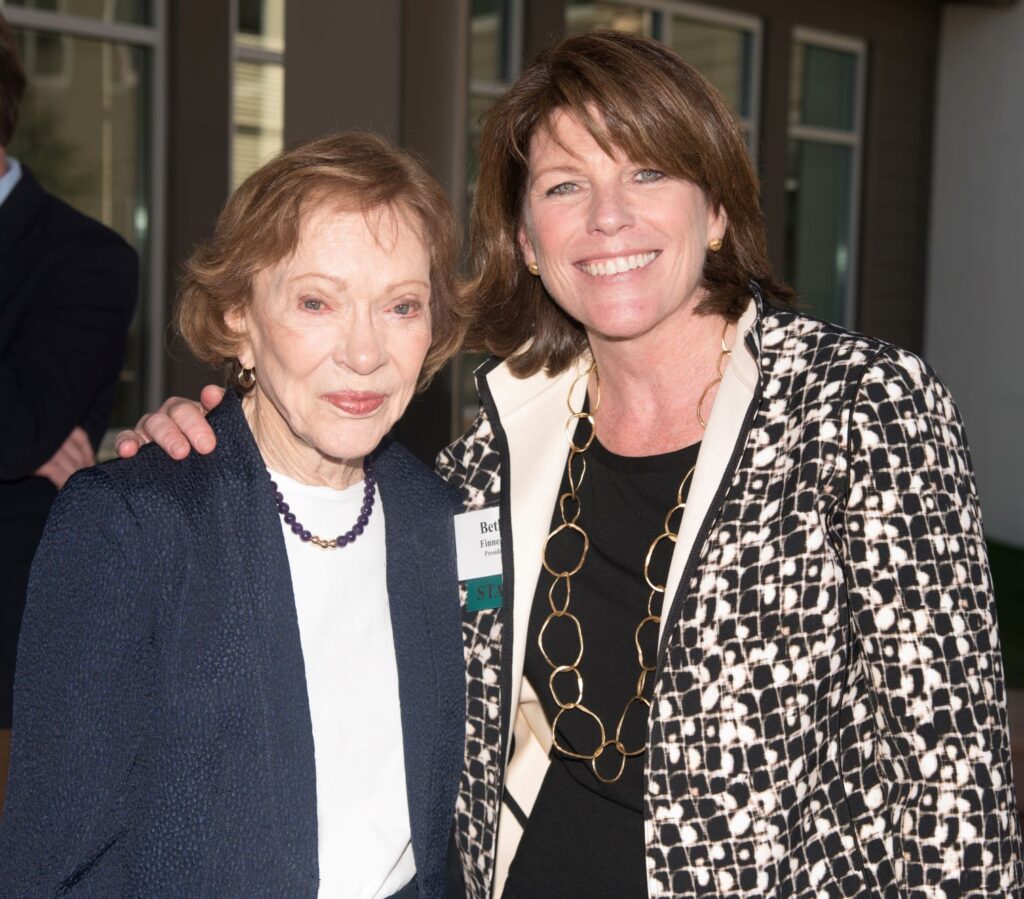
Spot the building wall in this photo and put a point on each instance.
(343, 65)
(902, 40)
(200, 41)
(975, 312)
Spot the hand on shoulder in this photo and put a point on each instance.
(178, 426)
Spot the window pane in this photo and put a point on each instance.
(720, 53)
(488, 40)
(818, 215)
(259, 116)
(85, 135)
(581, 15)
(131, 12)
(261, 24)
(823, 87)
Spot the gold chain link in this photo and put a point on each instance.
(560, 591)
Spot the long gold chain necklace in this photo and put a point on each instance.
(560, 591)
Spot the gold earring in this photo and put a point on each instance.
(533, 268)
(246, 377)
(715, 244)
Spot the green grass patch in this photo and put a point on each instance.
(1008, 578)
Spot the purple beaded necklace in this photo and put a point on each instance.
(369, 496)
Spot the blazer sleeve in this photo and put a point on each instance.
(924, 623)
(68, 349)
(472, 465)
(79, 699)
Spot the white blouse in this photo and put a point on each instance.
(352, 682)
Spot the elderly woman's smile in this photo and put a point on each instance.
(337, 333)
(356, 402)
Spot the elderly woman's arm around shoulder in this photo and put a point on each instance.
(80, 699)
(926, 749)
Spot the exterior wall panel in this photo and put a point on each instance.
(902, 40)
(975, 313)
(199, 152)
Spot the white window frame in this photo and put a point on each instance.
(154, 38)
(247, 53)
(839, 137)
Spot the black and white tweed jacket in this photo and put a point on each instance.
(829, 713)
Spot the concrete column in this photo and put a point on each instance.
(343, 68)
(434, 89)
(200, 62)
(433, 124)
(543, 24)
(975, 315)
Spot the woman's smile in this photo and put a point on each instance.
(603, 267)
(619, 246)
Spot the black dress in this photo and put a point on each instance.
(585, 837)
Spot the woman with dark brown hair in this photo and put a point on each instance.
(746, 644)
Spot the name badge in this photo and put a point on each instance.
(478, 550)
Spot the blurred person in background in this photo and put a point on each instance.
(68, 288)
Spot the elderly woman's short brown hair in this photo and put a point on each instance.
(260, 225)
(636, 96)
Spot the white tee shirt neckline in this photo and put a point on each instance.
(341, 601)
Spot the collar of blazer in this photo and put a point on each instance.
(20, 217)
(421, 576)
(19, 211)
(533, 413)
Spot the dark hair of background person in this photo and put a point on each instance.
(12, 83)
(637, 97)
(261, 224)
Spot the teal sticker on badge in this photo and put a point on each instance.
(483, 593)
(478, 552)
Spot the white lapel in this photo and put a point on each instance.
(534, 412)
(734, 395)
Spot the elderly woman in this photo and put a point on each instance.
(241, 675)
(747, 645)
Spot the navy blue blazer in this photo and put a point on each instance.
(67, 291)
(162, 741)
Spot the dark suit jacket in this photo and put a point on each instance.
(162, 741)
(67, 291)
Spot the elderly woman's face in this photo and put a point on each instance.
(619, 245)
(338, 333)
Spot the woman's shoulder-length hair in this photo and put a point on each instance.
(635, 96)
(261, 224)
